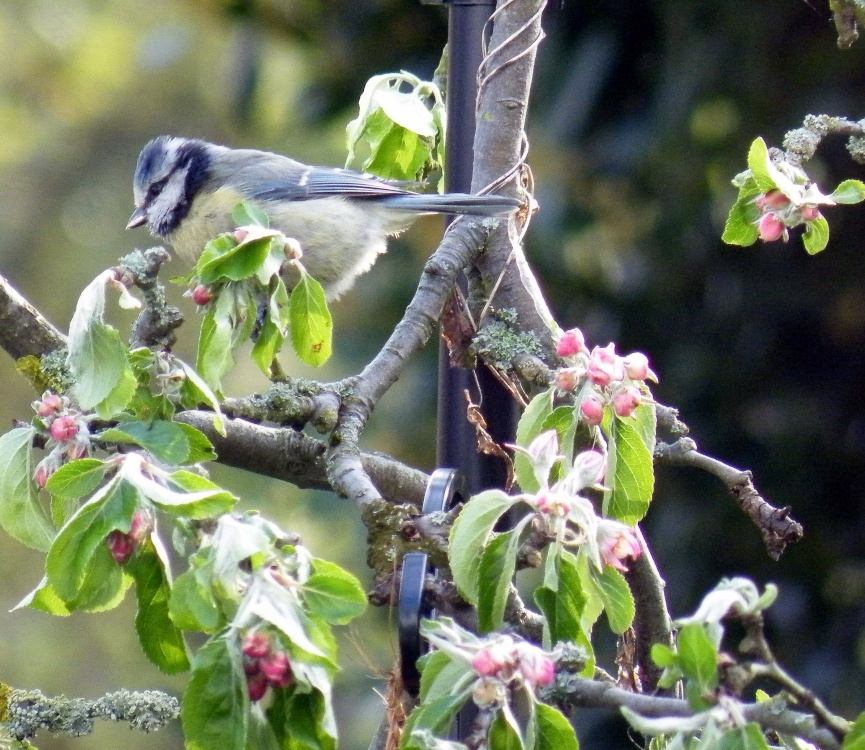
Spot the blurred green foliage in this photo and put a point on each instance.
(643, 112)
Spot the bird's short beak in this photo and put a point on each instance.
(137, 219)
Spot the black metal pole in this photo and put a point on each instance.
(457, 441)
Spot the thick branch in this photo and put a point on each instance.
(23, 330)
(297, 458)
(411, 333)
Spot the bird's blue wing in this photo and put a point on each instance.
(321, 182)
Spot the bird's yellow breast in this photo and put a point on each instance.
(208, 217)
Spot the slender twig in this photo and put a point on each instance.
(776, 526)
(770, 667)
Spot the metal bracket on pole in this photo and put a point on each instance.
(445, 489)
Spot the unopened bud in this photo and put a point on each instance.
(771, 228)
(626, 399)
(256, 686)
(487, 663)
(202, 294)
(605, 365)
(63, 429)
(567, 378)
(50, 404)
(589, 467)
(809, 212)
(636, 365)
(276, 669)
(592, 409)
(774, 199)
(120, 545)
(256, 644)
(572, 342)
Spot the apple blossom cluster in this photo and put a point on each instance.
(500, 662)
(601, 378)
(264, 663)
(67, 431)
(562, 506)
(778, 212)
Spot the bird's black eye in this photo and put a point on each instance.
(156, 188)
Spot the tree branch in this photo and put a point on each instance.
(23, 329)
(776, 526)
(291, 456)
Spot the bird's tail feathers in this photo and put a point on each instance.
(454, 203)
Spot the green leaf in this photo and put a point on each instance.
(440, 673)
(502, 735)
(630, 473)
(198, 498)
(104, 586)
(435, 715)
(469, 535)
(311, 324)
(748, 737)
(741, 225)
(273, 332)
(849, 191)
(166, 441)
(215, 344)
(120, 397)
(664, 656)
(77, 542)
(531, 425)
(297, 720)
(496, 569)
(192, 606)
(855, 738)
(77, 478)
(698, 659)
(195, 392)
(333, 594)
(237, 264)
(564, 608)
(554, 730)
(160, 639)
(396, 152)
(563, 420)
(100, 366)
(758, 161)
(645, 421)
(245, 213)
(21, 515)
(816, 235)
(617, 597)
(215, 706)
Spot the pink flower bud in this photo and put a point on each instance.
(617, 542)
(41, 475)
(276, 669)
(240, 234)
(592, 409)
(121, 546)
(589, 467)
(256, 644)
(201, 295)
(605, 365)
(141, 526)
(626, 399)
(771, 228)
(567, 378)
(63, 429)
(486, 663)
(50, 404)
(572, 342)
(809, 212)
(256, 686)
(772, 200)
(76, 449)
(636, 365)
(536, 667)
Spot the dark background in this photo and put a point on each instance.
(642, 112)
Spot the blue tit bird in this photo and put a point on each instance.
(185, 190)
